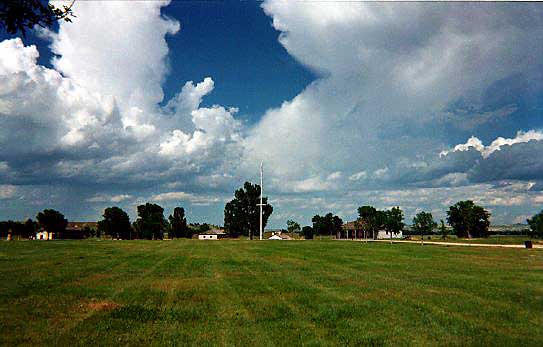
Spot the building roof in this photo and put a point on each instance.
(81, 225)
(213, 232)
(349, 225)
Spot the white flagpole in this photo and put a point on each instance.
(261, 192)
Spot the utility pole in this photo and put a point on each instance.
(261, 193)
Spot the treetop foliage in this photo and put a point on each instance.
(52, 221)
(307, 231)
(178, 224)
(468, 219)
(423, 223)
(25, 229)
(116, 223)
(242, 214)
(536, 225)
(393, 220)
(293, 227)
(20, 15)
(371, 220)
(151, 223)
(327, 225)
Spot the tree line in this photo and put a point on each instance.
(150, 224)
(466, 219)
(115, 223)
(242, 217)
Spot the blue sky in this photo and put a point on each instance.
(236, 44)
(411, 104)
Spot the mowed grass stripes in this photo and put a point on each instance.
(189, 292)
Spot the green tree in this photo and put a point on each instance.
(393, 221)
(423, 223)
(115, 223)
(307, 231)
(370, 220)
(178, 224)
(52, 221)
(468, 219)
(151, 222)
(536, 225)
(88, 231)
(20, 15)
(293, 227)
(242, 214)
(30, 228)
(18, 229)
(327, 225)
(204, 227)
(443, 231)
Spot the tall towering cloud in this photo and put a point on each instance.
(390, 73)
(96, 117)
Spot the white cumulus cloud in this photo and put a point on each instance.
(497, 144)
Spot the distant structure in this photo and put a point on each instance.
(279, 235)
(213, 234)
(351, 231)
(44, 235)
(382, 234)
(74, 231)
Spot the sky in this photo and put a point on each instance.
(417, 105)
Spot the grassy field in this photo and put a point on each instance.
(268, 293)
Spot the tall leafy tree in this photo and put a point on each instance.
(443, 230)
(52, 221)
(393, 221)
(307, 231)
(203, 228)
(468, 219)
(319, 225)
(242, 214)
(370, 220)
(293, 227)
(423, 223)
(18, 229)
(30, 228)
(327, 225)
(536, 225)
(178, 224)
(151, 222)
(115, 223)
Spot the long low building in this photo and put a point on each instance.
(213, 234)
(351, 231)
(74, 231)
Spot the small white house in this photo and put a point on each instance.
(44, 235)
(207, 237)
(385, 235)
(275, 237)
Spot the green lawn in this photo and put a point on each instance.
(268, 293)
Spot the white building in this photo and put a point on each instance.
(213, 234)
(44, 235)
(275, 237)
(207, 237)
(385, 235)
